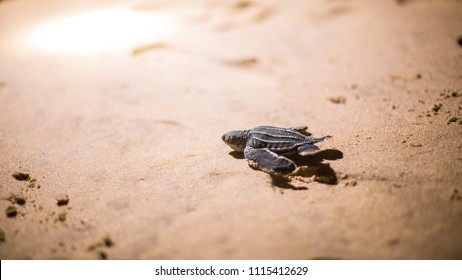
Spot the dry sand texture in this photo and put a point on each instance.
(119, 128)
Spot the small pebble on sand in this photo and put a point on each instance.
(19, 199)
(11, 212)
(108, 242)
(338, 100)
(62, 199)
(21, 176)
(62, 217)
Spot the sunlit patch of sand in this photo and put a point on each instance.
(98, 31)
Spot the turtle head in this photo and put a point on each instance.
(236, 139)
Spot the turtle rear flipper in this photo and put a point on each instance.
(300, 128)
(307, 149)
(316, 140)
(269, 161)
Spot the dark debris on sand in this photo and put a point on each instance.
(107, 243)
(62, 199)
(21, 176)
(11, 212)
(17, 199)
(338, 100)
(62, 216)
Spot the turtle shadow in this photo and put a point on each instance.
(283, 182)
(329, 154)
(313, 166)
(237, 155)
(309, 166)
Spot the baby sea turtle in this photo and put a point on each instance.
(265, 147)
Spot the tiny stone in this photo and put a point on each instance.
(11, 212)
(62, 217)
(108, 242)
(436, 108)
(452, 119)
(102, 255)
(338, 100)
(21, 176)
(19, 199)
(351, 183)
(62, 199)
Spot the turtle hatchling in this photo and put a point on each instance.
(266, 147)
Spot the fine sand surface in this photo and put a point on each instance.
(119, 128)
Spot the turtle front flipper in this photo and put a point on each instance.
(268, 161)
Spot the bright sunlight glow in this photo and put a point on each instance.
(100, 31)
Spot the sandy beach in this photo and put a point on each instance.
(112, 115)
